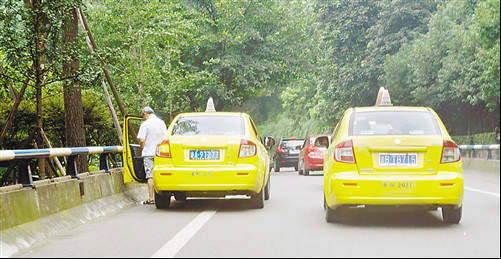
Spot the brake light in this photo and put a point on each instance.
(247, 148)
(163, 149)
(343, 152)
(450, 152)
(280, 150)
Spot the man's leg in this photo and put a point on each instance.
(148, 167)
(151, 189)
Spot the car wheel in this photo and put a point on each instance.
(267, 189)
(451, 215)
(332, 215)
(180, 196)
(276, 166)
(257, 201)
(162, 201)
(300, 171)
(306, 172)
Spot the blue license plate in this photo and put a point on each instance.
(204, 154)
(397, 159)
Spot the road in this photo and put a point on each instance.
(292, 224)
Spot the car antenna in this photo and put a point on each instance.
(383, 98)
(210, 106)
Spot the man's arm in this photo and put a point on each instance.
(141, 144)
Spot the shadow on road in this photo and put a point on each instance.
(386, 218)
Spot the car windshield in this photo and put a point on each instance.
(209, 125)
(393, 123)
(291, 144)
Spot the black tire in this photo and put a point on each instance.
(180, 196)
(452, 215)
(300, 171)
(276, 166)
(162, 201)
(296, 168)
(306, 172)
(267, 190)
(332, 215)
(257, 201)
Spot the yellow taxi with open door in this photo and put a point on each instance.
(205, 154)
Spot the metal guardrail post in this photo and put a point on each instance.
(103, 162)
(25, 178)
(71, 167)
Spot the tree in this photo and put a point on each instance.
(454, 66)
(73, 108)
(361, 34)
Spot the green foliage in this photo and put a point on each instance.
(98, 126)
(475, 139)
(294, 66)
(360, 35)
(285, 127)
(454, 66)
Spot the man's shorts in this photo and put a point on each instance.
(148, 166)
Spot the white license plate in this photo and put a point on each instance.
(397, 159)
(204, 154)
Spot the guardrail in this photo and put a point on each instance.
(489, 152)
(25, 177)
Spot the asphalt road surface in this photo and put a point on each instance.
(292, 224)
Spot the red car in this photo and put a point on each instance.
(311, 157)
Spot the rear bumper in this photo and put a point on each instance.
(287, 161)
(314, 163)
(350, 188)
(240, 179)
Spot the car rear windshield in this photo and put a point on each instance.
(393, 123)
(291, 144)
(209, 125)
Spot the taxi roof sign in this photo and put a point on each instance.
(210, 106)
(383, 98)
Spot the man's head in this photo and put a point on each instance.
(146, 112)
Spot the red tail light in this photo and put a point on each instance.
(280, 150)
(450, 152)
(163, 149)
(343, 152)
(247, 148)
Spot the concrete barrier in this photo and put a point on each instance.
(483, 165)
(28, 215)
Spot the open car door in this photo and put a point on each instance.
(133, 160)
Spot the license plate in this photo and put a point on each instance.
(399, 184)
(204, 154)
(397, 159)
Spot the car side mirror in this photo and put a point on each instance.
(269, 142)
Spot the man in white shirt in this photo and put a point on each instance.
(151, 133)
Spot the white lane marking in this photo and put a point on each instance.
(171, 248)
(484, 192)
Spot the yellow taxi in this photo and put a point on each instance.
(206, 154)
(392, 156)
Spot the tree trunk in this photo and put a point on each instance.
(73, 107)
(41, 31)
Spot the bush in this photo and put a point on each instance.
(476, 139)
